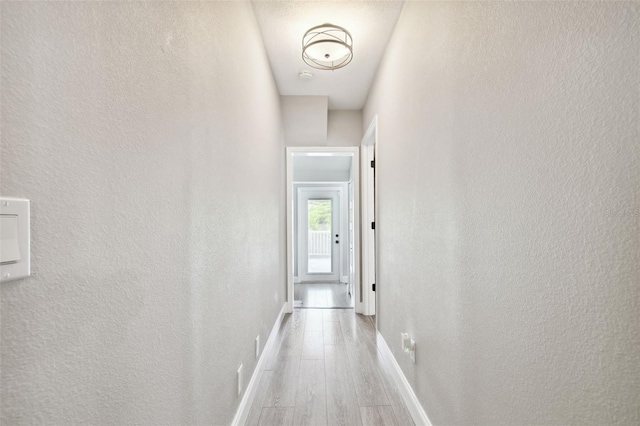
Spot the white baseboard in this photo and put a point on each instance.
(247, 400)
(408, 396)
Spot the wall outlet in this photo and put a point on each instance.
(240, 380)
(258, 347)
(412, 350)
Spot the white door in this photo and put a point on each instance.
(352, 257)
(319, 235)
(368, 235)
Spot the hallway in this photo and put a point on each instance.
(327, 371)
(151, 148)
(322, 295)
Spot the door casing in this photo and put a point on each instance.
(336, 195)
(354, 152)
(369, 175)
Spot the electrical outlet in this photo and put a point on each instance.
(240, 380)
(258, 347)
(412, 350)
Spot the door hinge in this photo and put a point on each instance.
(373, 164)
(373, 287)
(373, 225)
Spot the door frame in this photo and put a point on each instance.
(290, 153)
(369, 179)
(336, 212)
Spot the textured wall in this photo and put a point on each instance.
(308, 123)
(509, 173)
(305, 120)
(344, 128)
(148, 138)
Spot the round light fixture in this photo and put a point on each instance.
(327, 47)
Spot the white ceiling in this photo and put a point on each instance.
(335, 168)
(283, 23)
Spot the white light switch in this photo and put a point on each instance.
(9, 248)
(15, 262)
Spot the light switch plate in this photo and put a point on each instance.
(15, 225)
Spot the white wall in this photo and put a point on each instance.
(319, 175)
(509, 174)
(334, 168)
(344, 128)
(305, 120)
(148, 138)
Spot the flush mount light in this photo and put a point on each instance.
(327, 47)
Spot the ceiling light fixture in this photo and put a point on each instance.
(327, 47)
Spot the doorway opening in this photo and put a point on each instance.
(321, 271)
(323, 228)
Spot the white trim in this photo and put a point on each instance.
(290, 231)
(296, 151)
(250, 393)
(376, 209)
(368, 237)
(344, 227)
(409, 397)
(304, 192)
(325, 183)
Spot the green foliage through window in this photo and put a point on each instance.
(319, 215)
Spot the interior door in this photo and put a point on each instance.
(352, 255)
(319, 233)
(368, 234)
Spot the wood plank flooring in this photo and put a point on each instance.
(322, 295)
(326, 370)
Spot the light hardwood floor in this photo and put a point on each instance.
(322, 295)
(326, 370)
